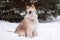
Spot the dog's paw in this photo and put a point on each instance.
(34, 34)
(30, 36)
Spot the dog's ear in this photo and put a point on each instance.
(33, 6)
(27, 6)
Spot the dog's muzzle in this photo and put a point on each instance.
(30, 12)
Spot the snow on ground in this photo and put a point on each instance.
(46, 31)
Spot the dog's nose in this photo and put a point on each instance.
(30, 12)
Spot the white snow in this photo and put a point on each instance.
(46, 31)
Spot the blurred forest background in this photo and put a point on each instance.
(14, 10)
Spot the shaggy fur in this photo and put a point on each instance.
(28, 26)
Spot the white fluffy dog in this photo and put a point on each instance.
(28, 26)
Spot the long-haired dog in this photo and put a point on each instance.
(28, 26)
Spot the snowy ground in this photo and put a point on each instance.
(46, 31)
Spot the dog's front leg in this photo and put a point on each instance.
(29, 33)
(21, 33)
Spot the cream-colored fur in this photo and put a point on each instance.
(28, 26)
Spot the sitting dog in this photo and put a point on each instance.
(28, 26)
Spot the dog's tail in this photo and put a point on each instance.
(10, 31)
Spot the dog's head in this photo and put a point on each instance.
(31, 13)
(30, 9)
